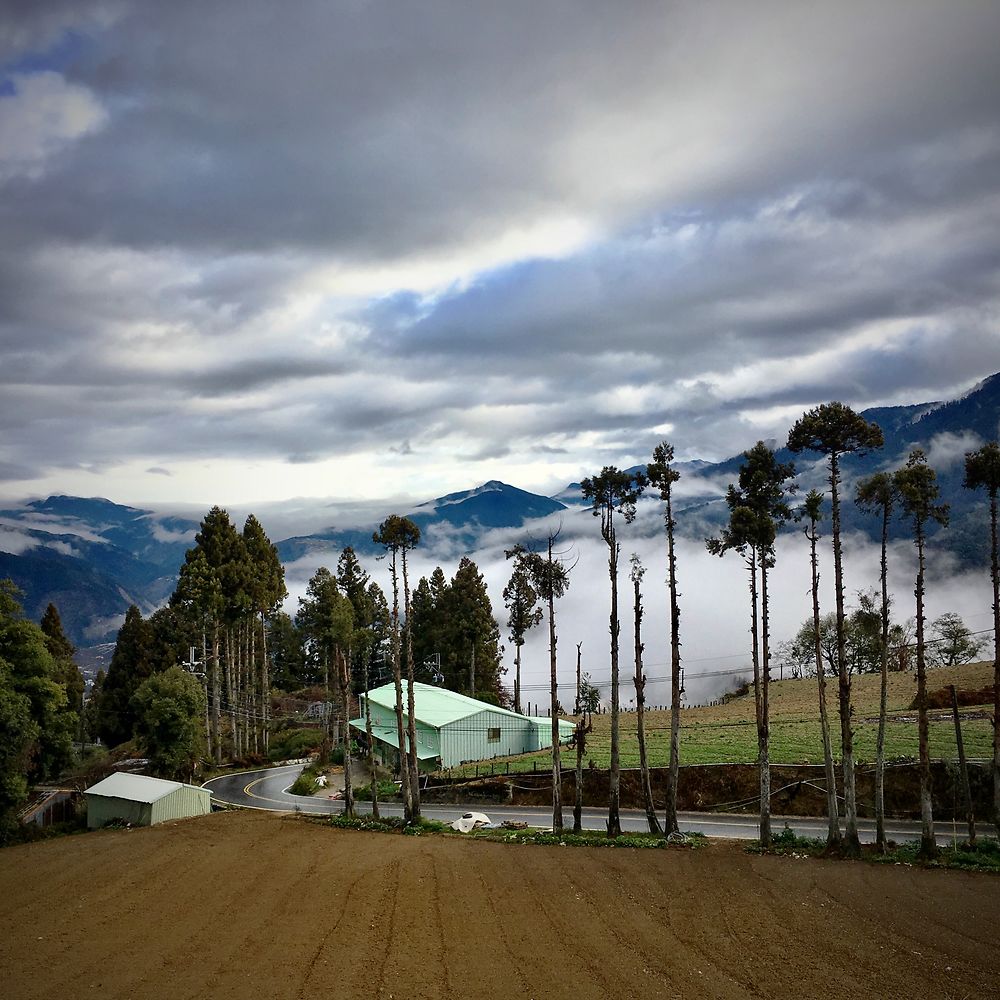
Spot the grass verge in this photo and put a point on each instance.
(983, 857)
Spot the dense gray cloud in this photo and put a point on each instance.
(453, 242)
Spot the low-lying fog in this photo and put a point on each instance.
(714, 600)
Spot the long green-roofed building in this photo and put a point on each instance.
(453, 728)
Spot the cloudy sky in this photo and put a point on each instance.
(254, 251)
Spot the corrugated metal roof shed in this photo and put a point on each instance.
(433, 705)
(137, 787)
(142, 800)
(456, 728)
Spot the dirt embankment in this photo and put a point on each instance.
(240, 904)
(797, 790)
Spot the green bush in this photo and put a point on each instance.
(305, 784)
(386, 790)
(290, 744)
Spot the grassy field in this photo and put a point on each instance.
(727, 733)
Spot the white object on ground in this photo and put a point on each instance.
(471, 821)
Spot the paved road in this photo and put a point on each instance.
(268, 790)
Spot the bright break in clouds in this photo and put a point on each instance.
(254, 251)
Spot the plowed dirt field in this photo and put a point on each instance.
(249, 905)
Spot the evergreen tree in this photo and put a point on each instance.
(521, 600)
(130, 666)
(35, 675)
(917, 487)
(63, 651)
(982, 472)
(325, 620)
(469, 635)
(266, 591)
(424, 624)
(356, 585)
(18, 738)
(288, 662)
(169, 711)
(199, 598)
(610, 493)
(835, 430)
(172, 636)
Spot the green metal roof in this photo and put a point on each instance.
(436, 706)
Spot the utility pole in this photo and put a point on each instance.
(576, 708)
(190, 666)
(472, 671)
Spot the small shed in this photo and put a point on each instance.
(142, 801)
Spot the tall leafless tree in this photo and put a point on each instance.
(614, 492)
(982, 471)
(917, 486)
(549, 576)
(636, 574)
(835, 430)
(388, 536)
(756, 508)
(662, 476)
(878, 495)
(813, 510)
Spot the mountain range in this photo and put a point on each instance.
(92, 558)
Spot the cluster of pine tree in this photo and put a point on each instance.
(229, 586)
(456, 640)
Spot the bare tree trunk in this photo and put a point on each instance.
(231, 691)
(963, 768)
(640, 699)
(345, 687)
(614, 819)
(517, 677)
(928, 843)
(265, 682)
(582, 728)
(371, 746)
(880, 839)
(765, 725)
(410, 702)
(851, 843)
(995, 573)
(557, 816)
(256, 700)
(216, 694)
(673, 772)
(397, 676)
(576, 707)
(832, 808)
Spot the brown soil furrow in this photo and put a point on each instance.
(235, 904)
(442, 940)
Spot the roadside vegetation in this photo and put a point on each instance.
(984, 856)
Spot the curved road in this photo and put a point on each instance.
(268, 790)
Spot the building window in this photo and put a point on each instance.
(493, 735)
